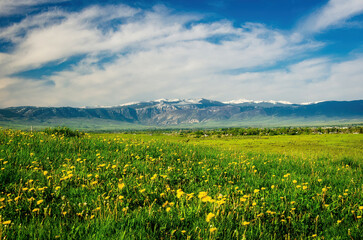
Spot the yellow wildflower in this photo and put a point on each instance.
(206, 199)
(121, 186)
(202, 194)
(213, 229)
(209, 216)
(179, 193)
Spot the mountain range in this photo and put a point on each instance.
(192, 112)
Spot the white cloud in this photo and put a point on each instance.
(334, 13)
(159, 54)
(9, 7)
(310, 80)
(58, 35)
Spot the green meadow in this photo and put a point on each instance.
(70, 185)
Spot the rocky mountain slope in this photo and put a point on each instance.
(173, 112)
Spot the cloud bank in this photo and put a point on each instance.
(107, 55)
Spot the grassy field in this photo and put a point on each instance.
(125, 186)
(331, 146)
(98, 124)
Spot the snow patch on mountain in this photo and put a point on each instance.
(308, 103)
(240, 101)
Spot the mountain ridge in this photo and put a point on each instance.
(169, 112)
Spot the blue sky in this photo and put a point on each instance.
(88, 52)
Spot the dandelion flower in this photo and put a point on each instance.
(213, 229)
(179, 193)
(202, 194)
(121, 186)
(206, 199)
(209, 217)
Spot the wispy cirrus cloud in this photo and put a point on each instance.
(333, 14)
(9, 7)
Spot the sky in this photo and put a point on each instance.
(106, 53)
